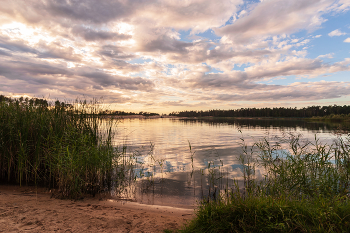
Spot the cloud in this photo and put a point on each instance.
(180, 103)
(295, 92)
(16, 45)
(329, 55)
(196, 15)
(336, 32)
(166, 44)
(246, 80)
(204, 14)
(276, 17)
(88, 11)
(297, 67)
(54, 50)
(342, 6)
(4, 53)
(347, 40)
(23, 70)
(59, 76)
(115, 52)
(106, 80)
(93, 35)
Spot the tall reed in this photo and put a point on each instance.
(57, 145)
(303, 169)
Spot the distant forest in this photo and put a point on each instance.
(31, 102)
(44, 103)
(313, 111)
(122, 113)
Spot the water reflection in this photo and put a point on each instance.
(180, 160)
(287, 124)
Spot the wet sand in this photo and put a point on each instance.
(27, 209)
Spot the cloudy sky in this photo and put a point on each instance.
(166, 55)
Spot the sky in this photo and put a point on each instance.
(165, 55)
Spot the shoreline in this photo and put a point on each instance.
(136, 116)
(32, 209)
(201, 118)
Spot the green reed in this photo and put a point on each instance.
(56, 145)
(305, 189)
(305, 169)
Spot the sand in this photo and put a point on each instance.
(28, 209)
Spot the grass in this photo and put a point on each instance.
(55, 145)
(332, 118)
(305, 189)
(268, 214)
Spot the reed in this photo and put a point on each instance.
(305, 189)
(55, 145)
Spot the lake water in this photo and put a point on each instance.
(176, 157)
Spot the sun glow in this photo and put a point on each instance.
(20, 31)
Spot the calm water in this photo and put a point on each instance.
(174, 154)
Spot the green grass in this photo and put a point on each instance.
(305, 189)
(58, 146)
(332, 117)
(271, 214)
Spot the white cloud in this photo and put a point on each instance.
(329, 55)
(343, 5)
(347, 40)
(276, 17)
(336, 32)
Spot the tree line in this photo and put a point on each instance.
(30, 102)
(43, 103)
(123, 113)
(313, 111)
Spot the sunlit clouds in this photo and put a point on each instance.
(164, 56)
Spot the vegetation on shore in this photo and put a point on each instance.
(305, 189)
(123, 113)
(55, 145)
(313, 111)
(332, 118)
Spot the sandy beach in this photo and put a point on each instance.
(28, 209)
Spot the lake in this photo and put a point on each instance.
(180, 161)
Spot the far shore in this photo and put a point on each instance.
(136, 116)
(199, 118)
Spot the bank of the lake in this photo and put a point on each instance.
(31, 209)
(338, 118)
(332, 118)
